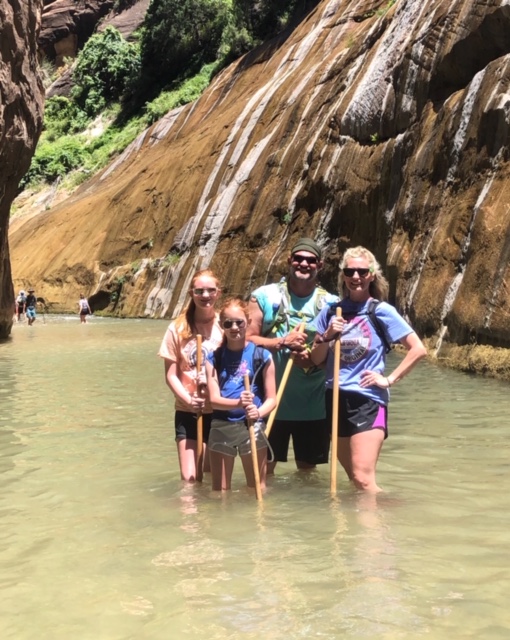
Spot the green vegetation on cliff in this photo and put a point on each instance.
(120, 87)
(105, 71)
(179, 36)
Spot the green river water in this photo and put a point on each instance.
(100, 539)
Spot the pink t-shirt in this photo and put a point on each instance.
(184, 352)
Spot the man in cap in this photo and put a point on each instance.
(276, 310)
(31, 307)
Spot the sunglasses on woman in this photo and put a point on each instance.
(228, 324)
(347, 271)
(199, 291)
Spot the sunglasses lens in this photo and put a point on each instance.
(350, 272)
(299, 259)
(200, 291)
(228, 324)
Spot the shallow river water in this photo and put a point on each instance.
(100, 540)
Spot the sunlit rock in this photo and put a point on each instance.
(383, 124)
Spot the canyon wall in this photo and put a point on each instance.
(67, 25)
(21, 97)
(376, 123)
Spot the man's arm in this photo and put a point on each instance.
(254, 329)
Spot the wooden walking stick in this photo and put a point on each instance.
(334, 420)
(253, 446)
(200, 419)
(281, 387)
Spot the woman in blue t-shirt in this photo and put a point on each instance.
(362, 424)
(232, 405)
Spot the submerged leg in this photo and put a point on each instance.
(187, 450)
(222, 467)
(365, 450)
(248, 468)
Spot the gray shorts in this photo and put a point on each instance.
(230, 438)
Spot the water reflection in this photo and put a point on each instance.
(100, 538)
(10, 413)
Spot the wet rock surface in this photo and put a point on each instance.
(372, 123)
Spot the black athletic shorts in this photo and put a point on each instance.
(186, 426)
(310, 440)
(357, 413)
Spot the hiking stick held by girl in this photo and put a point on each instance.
(233, 406)
(179, 351)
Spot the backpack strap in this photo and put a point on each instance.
(377, 324)
(320, 300)
(281, 308)
(258, 365)
(216, 360)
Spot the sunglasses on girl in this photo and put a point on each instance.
(299, 259)
(199, 291)
(230, 322)
(347, 271)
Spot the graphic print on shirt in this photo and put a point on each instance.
(356, 340)
(190, 353)
(236, 370)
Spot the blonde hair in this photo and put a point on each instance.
(379, 286)
(184, 322)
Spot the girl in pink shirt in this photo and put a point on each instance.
(179, 350)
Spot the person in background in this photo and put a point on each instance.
(364, 385)
(179, 351)
(233, 406)
(31, 306)
(20, 306)
(84, 308)
(275, 311)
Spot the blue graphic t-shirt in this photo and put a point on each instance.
(231, 368)
(361, 347)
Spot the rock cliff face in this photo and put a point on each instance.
(378, 123)
(20, 122)
(67, 25)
